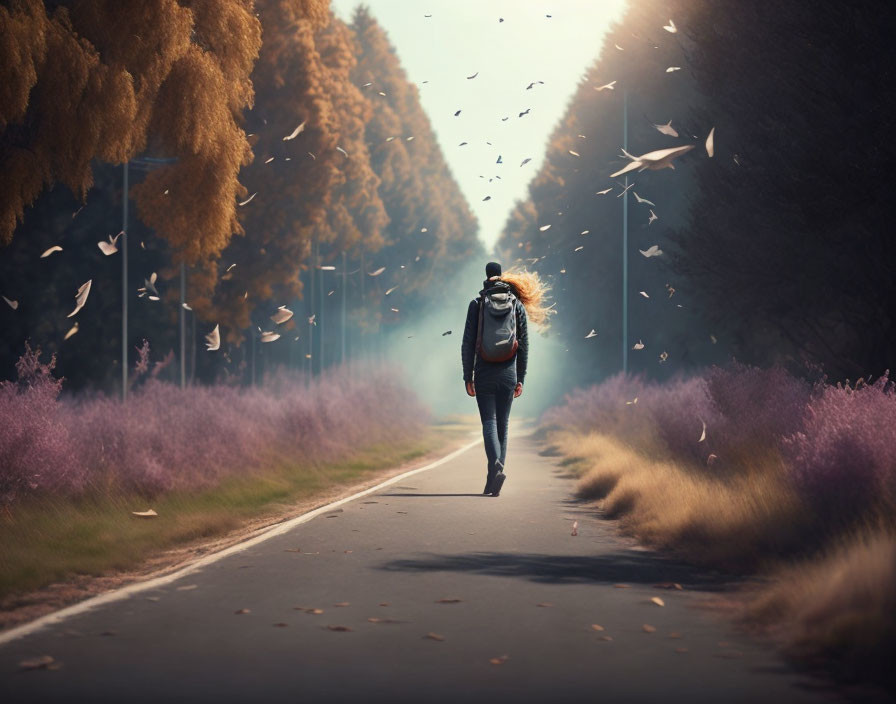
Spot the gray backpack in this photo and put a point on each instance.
(496, 335)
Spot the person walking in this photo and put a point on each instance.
(495, 355)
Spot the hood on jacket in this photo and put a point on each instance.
(497, 286)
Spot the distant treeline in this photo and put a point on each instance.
(264, 142)
(777, 248)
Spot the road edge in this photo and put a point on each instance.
(278, 529)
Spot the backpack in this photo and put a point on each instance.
(496, 332)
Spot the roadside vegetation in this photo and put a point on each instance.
(205, 459)
(756, 471)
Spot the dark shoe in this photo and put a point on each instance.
(488, 486)
(498, 483)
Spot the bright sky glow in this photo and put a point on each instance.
(463, 37)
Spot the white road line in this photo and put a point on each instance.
(125, 592)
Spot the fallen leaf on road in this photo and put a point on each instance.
(681, 650)
(384, 603)
(606, 637)
(575, 528)
(621, 586)
(668, 585)
(187, 587)
(152, 598)
(316, 612)
(109, 633)
(280, 625)
(371, 502)
(499, 660)
(656, 600)
(293, 550)
(673, 634)
(449, 600)
(148, 513)
(242, 611)
(38, 663)
(339, 628)
(545, 604)
(347, 551)
(342, 603)
(647, 628)
(434, 636)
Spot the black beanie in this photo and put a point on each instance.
(492, 269)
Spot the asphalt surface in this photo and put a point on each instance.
(528, 593)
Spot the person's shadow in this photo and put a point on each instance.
(432, 495)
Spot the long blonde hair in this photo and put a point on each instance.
(532, 292)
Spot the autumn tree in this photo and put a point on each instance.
(92, 82)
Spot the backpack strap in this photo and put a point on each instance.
(479, 326)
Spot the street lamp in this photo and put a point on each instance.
(144, 164)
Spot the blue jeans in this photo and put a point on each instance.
(494, 411)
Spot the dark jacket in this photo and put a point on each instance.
(473, 364)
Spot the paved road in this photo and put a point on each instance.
(528, 590)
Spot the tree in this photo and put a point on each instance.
(93, 82)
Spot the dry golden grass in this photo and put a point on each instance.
(838, 610)
(736, 522)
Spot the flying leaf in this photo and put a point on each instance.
(269, 336)
(647, 628)
(72, 331)
(48, 252)
(249, 199)
(591, 334)
(339, 628)
(544, 228)
(11, 304)
(710, 143)
(80, 298)
(596, 627)
(434, 636)
(656, 600)
(703, 433)
(377, 272)
(148, 513)
(296, 132)
(213, 340)
(281, 315)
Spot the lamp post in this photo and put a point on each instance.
(143, 163)
(625, 240)
(124, 283)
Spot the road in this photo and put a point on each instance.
(521, 594)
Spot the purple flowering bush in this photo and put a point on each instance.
(165, 438)
(836, 445)
(844, 457)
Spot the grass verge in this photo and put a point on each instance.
(49, 540)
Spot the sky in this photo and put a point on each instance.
(465, 37)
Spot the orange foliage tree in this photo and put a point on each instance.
(91, 81)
